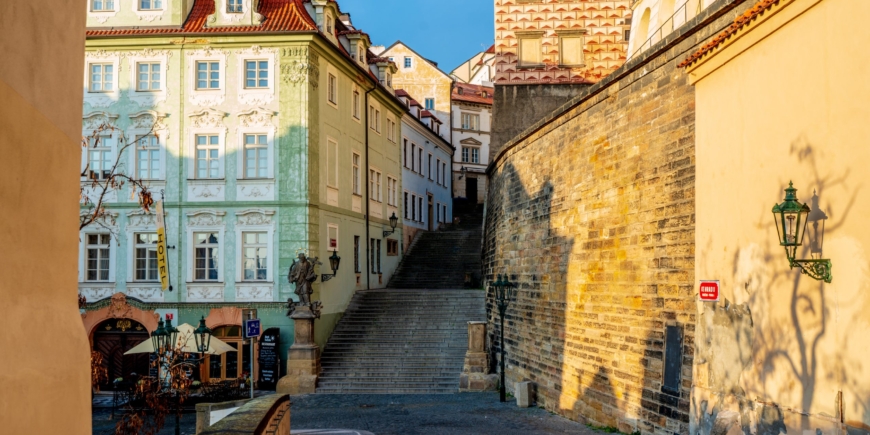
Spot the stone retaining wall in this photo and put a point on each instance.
(592, 210)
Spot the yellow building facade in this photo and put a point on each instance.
(423, 79)
(781, 96)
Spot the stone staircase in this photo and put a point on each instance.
(445, 259)
(400, 342)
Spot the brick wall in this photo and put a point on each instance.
(594, 213)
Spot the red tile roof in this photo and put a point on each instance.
(741, 21)
(278, 16)
(428, 114)
(472, 93)
(491, 49)
(402, 93)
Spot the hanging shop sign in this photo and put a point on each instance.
(162, 268)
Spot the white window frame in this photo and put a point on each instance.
(332, 89)
(473, 121)
(333, 226)
(152, 3)
(265, 126)
(267, 245)
(243, 147)
(208, 97)
(258, 96)
(356, 103)
(239, 5)
(160, 130)
(134, 246)
(408, 62)
(356, 172)
(268, 226)
(219, 248)
(426, 103)
(103, 65)
(330, 150)
(375, 184)
(209, 64)
(392, 186)
(112, 9)
(208, 146)
(83, 256)
(257, 61)
(111, 140)
(391, 129)
(216, 224)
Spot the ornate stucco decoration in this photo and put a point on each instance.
(206, 218)
(257, 117)
(208, 118)
(147, 119)
(94, 120)
(299, 63)
(146, 293)
(95, 293)
(206, 293)
(255, 293)
(141, 218)
(152, 15)
(257, 96)
(255, 216)
(108, 222)
(118, 307)
(259, 191)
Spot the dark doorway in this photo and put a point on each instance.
(471, 189)
(431, 214)
(114, 337)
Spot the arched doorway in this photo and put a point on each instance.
(112, 338)
(232, 364)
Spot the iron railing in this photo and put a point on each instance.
(690, 9)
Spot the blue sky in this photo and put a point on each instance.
(445, 31)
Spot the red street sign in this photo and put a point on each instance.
(709, 291)
(169, 316)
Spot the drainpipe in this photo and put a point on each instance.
(366, 188)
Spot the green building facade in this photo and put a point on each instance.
(266, 132)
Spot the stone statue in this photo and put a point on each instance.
(302, 274)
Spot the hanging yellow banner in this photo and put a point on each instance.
(162, 267)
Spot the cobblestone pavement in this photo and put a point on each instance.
(380, 414)
(436, 414)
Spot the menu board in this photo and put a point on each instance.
(270, 364)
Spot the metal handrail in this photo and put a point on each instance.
(679, 18)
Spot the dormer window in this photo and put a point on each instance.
(234, 6)
(328, 19)
(389, 80)
(459, 91)
(150, 5)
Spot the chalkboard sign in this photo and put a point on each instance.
(152, 365)
(268, 359)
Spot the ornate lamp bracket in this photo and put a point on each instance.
(819, 270)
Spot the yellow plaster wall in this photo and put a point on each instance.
(790, 104)
(423, 80)
(44, 361)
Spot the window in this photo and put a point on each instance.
(407, 62)
(148, 76)
(375, 180)
(256, 74)
(530, 51)
(328, 19)
(391, 191)
(444, 211)
(372, 117)
(392, 247)
(444, 174)
(420, 162)
(255, 251)
(391, 130)
(430, 104)
(413, 207)
(572, 50)
(372, 255)
(148, 158)
(330, 88)
(470, 121)
(356, 254)
(256, 156)
(405, 155)
(420, 208)
(356, 175)
(378, 244)
(413, 156)
(356, 104)
(208, 75)
(230, 365)
(207, 156)
(470, 155)
(102, 5)
(100, 158)
(331, 163)
(406, 205)
(234, 6)
(206, 256)
(377, 120)
(145, 256)
(438, 171)
(429, 167)
(150, 5)
(389, 80)
(98, 257)
(102, 77)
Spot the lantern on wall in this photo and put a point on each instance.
(791, 225)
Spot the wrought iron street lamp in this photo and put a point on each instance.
(158, 337)
(393, 222)
(791, 226)
(171, 335)
(504, 294)
(202, 335)
(334, 262)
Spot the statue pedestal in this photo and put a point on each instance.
(303, 358)
(475, 376)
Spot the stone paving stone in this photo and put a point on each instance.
(435, 414)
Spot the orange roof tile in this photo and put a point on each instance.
(742, 20)
(278, 16)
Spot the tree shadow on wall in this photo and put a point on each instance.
(794, 344)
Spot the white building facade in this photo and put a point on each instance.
(426, 162)
(472, 122)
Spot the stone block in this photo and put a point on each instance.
(524, 392)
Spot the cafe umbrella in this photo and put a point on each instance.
(185, 337)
